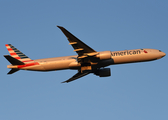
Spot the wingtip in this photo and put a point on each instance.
(59, 26)
(64, 82)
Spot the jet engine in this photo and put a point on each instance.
(105, 72)
(104, 55)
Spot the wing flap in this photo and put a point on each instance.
(73, 43)
(78, 50)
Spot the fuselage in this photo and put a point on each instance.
(71, 62)
(85, 62)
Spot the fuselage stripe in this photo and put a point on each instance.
(29, 64)
(28, 61)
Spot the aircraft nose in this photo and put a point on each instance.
(163, 54)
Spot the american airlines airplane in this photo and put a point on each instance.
(87, 61)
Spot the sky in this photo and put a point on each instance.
(136, 91)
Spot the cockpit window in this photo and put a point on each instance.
(160, 51)
(141, 49)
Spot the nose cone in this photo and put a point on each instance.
(163, 54)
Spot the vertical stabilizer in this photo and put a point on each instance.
(15, 53)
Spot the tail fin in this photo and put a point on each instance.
(15, 53)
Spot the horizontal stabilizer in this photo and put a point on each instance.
(12, 71)
(13, 61)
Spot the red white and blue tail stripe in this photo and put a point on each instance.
(15, 53)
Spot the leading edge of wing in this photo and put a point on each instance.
(77, 75)
(77, 44)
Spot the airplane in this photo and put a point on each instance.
(85, 62)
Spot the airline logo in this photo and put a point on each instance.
(145, 51)
(128, 52)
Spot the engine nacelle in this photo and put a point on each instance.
(104, 55)
(105, 72)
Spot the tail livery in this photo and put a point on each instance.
(15, 53)
(17, 59)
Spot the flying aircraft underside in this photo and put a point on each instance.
(85, 62)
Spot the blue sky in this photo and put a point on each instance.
(134, 91)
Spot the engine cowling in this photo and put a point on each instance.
(105, 72)
(104, 55)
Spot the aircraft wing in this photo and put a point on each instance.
(85, 55)
(79, 47)
(77, 75)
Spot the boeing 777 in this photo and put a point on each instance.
(85, 62)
